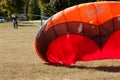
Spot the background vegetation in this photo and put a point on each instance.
(33, 8)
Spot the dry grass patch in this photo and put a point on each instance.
(18, 60)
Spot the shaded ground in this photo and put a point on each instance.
(18, 60)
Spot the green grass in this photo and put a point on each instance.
(21, 24)
(29, 24)
(3, 24)
(19, 61)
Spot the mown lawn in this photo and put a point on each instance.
(3, 24)
(18, 60)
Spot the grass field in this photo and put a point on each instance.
(18, 60)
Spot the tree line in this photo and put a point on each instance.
(32, 8)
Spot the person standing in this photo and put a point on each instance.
(15, 22)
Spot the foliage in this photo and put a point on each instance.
(13, 6)
(49, 7)
(46, 7)
(33, 10)
(53, 6)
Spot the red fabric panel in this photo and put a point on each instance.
(70, 48)
(117, 43)
(61, 50)
(91, 50)
(109, 50)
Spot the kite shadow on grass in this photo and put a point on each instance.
(99, 68)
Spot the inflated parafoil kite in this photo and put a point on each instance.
(89, 31)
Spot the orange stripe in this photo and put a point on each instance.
(103, 12)
(115, 9)
(72, 14)
(87, 13)
(93, 13)
(58, 18)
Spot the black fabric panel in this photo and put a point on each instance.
(75, 27)
(104, 39)
(41, 41)
(97, 40)
(61, 29)
(90, 30)
(50, 35)
(42, 45)
(116, 23)
(43, 26)
(106, 28)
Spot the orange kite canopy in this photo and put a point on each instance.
(89, 31)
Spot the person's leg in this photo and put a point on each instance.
(17, 25)
(14, 25)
